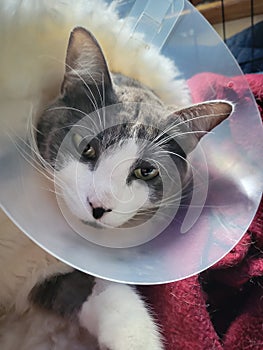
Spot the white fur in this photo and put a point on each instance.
(105, 186)
(108, 309)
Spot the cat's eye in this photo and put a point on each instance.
(146, 173)
(86, 150)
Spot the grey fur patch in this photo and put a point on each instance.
(63, 294)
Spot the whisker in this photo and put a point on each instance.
(204, 206)
(100, 96)
(95, 106)
(93, 102)
(32, 162)
(103, 102)
(182, 122)
(33, 144)
(183, 158)
(79, 111)
(37, 162)
(59, 194)
(175, 198)
(178, 135)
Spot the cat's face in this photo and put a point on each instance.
(117, 151)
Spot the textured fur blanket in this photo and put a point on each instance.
(37, 33)
(222, 308)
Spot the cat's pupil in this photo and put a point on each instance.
(88, 152)
(86, 149)
(146, 171)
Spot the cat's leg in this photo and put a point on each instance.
(63, 294)
(112, 312)
(119, 319)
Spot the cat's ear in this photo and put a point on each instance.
(85, 61)
(197, 120)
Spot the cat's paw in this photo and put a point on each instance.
(129, 340)
(132, 333)
(119, 320)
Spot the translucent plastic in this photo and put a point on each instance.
(234, 162)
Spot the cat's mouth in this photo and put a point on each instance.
(127, 224)
(95, 224)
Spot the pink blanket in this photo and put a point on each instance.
(222, 308)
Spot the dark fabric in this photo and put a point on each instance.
(247, 47)
(222, 308)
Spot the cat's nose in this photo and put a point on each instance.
(99, 212)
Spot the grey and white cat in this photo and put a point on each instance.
(145, 137)
(116, 162)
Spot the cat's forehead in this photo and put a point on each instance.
(119, 133)
(118, 159)
(107, 136)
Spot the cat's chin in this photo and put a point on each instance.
(96, 224)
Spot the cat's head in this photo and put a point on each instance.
(118, 152)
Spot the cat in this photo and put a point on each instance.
(112, 313)
(86, 80)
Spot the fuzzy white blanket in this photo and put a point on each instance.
(34, 37)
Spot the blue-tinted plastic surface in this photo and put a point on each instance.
(235, 166)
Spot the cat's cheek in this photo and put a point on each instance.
(74, 191)
(119, 219)
(77, 207)
(140, 201)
